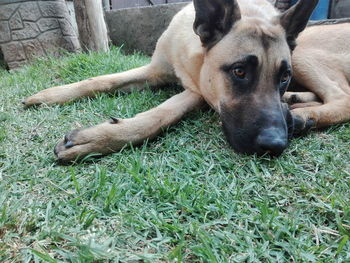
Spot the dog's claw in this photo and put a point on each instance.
(114, 120)
(25, 104)
(69, 144)
(69, 141)
(59, 147)
(294, 99)
(310, 124)
(302, 127)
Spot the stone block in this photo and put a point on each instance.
(4, 2)
(16, 22)
(16, 64)
(5, 33)
(33, 48)
(53, 9)
(52, 41)
(29, 11)
(13, 51)
(71, 12)
(70, 43)
(47, 24)
(6, 11)
(30, 30)
(66, 27)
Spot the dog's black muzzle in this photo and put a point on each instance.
(265, 132)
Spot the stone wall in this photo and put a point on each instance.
(31, 28)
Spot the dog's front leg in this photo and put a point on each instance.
(300, 97)
(333, 112)
(111, 136)
(135, 78)
(324, 76)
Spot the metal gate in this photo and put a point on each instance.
(118, 4)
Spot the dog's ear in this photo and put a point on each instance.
(214, 19)
(295, 19)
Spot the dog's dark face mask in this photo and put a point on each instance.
(253, 117)
(246, 70)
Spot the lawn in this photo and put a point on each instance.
(183, 197)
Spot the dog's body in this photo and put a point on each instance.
(321, 63)
(238, 61)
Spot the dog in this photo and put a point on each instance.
(238, 56)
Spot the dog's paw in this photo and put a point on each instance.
(302, 126)
(55, 95)
(291, 98)
(300, 97)
(80, 143)
(97, 140)
(34, 100)
(72, 148)
(47, 96)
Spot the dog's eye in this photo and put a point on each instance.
(239, 72)
(286, 77)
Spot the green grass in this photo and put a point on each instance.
(184, 197)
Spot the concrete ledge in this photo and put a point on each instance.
(140, 28)
(329, 22)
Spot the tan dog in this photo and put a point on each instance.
(238, 60)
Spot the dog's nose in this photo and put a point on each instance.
(272, 141)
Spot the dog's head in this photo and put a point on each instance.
(246, 70)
